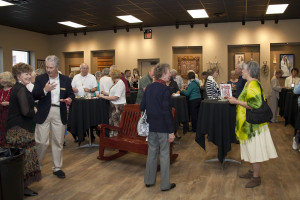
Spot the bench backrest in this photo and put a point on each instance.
(129, 120)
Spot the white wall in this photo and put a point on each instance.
(12, 38)
(130, 46)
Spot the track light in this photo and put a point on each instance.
(65, 34)
(127, 29)
(141, 28)
(243, 22)
(115, 30)
(262, 21)
(75, 33)
(276, 21)
(206, 24)
(192, 25)
(177, 26)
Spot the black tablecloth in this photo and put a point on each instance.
(217, 119)
(182, 115)
(133, 95)
(288, 106)
(85, 113)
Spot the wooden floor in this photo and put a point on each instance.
(88, 178)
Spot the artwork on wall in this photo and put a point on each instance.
(40, 64)
(187, 63)
(239, 58)
(287, 62)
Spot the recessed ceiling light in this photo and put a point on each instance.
(276, 9)
(5, 3)
(129, 19)
(72, 24)
(199, 13)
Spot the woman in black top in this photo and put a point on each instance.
(20, 125)
(173, 86)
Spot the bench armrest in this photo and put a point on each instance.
(102, 128)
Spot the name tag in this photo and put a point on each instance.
(62, 88)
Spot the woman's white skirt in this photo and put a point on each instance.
(259, 148)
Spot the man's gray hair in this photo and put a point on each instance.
(54, 59)
(173, 71)
(253, 68)
(105, 71)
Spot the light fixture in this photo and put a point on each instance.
(75, 33)
(276, 21)
(127, 29)
(129, 19)
(115, 30)
(206, 25)
(262, 21)
(198, 13)
(243, 22)
(71, 24)
(141, 28)
(276, 9)
(5, 3)
(65, 34)
(177, 26)
(192, 25)
(84, 32)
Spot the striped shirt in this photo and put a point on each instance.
(212, 88)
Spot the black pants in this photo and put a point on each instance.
(194, 109)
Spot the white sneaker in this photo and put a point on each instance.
(295, 144)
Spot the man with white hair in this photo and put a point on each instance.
(176, 78)
(54, 91)
(241, 82)
(84, 83)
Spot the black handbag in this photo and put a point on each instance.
(261, 115)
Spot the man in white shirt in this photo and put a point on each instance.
(84, 83)
(105, 82)
(293, 80)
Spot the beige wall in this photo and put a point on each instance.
(12, 38)
(214, 41)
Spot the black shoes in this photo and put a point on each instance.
(172, 185)
(149, 185)
(60, 174)
(29, 193)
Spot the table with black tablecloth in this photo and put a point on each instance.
(85, 113)
(288, 106)
(217, 120)
(181, 107)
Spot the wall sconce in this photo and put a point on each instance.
(127, 29)
(65, 34)
(243, 22)
(75, 33)
(276, 21)
(84, 32)
(192, 25)
(262, 21)
(115, 30)
(177, 26)
(206, 25)
(141, 28)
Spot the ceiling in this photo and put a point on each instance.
(42, 15)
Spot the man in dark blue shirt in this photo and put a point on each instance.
(241, 82)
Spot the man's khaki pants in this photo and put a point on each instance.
(42, 131)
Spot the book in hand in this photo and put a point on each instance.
(226, 91)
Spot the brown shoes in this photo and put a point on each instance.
(255, 181)
(248, 175)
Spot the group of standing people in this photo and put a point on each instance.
(28, 127)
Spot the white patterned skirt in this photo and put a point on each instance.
(259, 148)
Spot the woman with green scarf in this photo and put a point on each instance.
(255, 139)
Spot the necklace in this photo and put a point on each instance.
(2, 100)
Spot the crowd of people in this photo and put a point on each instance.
(34, 105)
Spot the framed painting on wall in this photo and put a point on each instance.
(287, 62)
(239, 58)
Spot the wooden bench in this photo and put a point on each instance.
(127, 139)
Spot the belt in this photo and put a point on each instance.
(55, 105)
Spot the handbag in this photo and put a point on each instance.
(260, 115)
(143, 125)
